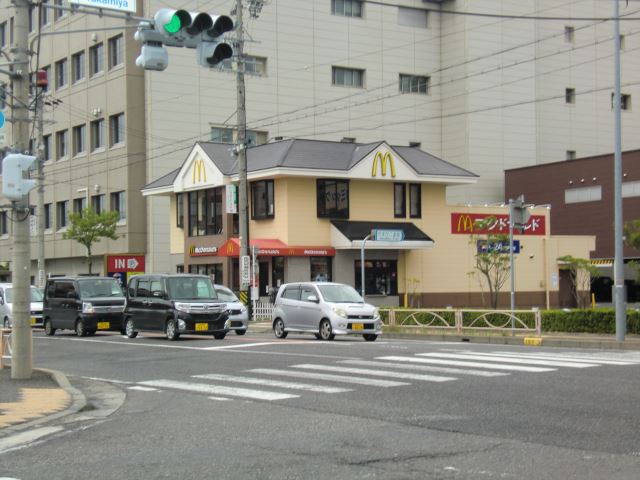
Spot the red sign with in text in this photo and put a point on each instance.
(125, 263)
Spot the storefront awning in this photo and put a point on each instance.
(271, 247)
(347, 234)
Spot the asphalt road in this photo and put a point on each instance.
(255, 407)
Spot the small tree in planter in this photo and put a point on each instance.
(582, 273)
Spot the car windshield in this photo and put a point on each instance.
(36, 295)
(99, 287)
(226, 295)
(191, 288)
(340, 294)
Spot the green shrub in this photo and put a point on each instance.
(602, 320)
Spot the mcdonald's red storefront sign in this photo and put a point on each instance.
(274, 248)
(464, 223)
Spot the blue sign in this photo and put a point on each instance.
(502, 247)
(386, 235)
(1, 119)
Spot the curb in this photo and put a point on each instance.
(78, 402)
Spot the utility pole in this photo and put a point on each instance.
(241, 150)
(39, 93)
(21, 340)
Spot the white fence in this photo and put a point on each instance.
(262, 310)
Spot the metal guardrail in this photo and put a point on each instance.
(5, 347)
(461, 320)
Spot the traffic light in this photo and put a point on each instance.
(14, 185)
(180, 28)
(520, 214)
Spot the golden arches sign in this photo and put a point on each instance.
(383, 160)
(198, 171)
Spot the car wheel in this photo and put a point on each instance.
(219, 336)
(80, 330)
(241, 332)
(325, 330)
(5, 324)
(48, 329)
(172, 330)
(129, 329)
(370, 337)
(278, 329)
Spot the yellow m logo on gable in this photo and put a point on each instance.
(383, 160)
(198, 171)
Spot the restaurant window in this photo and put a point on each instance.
(262, 199)
(320, 269)
(380, 277)
(179, 210)
(333, 198)
(399, 200)
(205, 212)
(415, 200)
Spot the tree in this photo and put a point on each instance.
(632, 233)
(88, 227)
(492, 264)
(582, 273)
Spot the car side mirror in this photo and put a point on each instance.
(313, 298)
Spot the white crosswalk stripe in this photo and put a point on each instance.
(372, 382)
(424, 368)
(468, 364)
(569, 358)
(272, 383)
(520, 361)
(376, 373)
(218, 390)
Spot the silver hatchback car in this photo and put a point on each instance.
(238, 314)
(324, 309)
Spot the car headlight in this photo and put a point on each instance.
(182, 307)
(87, 307)
(341, 312)
(243, 309)
(376, 314)
(182, 325)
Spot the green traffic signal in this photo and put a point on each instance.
(174, 25)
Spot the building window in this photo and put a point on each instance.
(97, 134)
(97, 203)
(262, 196)
(631, 189)
(222, 135)
(62, 144)
(58, 13)
(415, 200)
(116, 129)
(47, 216)
(625, 101)
(412, 17)
(380, 277)
(179, 210)
(212, 270)
(4, 223)
(570, 155)
(332, 198)
(46, 147)
(205, 212)
(62, 214)
(583, 194)
(79, 141)
(399, 200)
(320, 269)
(346, 8)
(570, 95)
(348, 77)
(96, 59)
(118, 204)
(32, 9)
(569, 34)
(229, 135)
(79, 204)
(44, 13)
(61, 74)
(255, 65)
(3, 34)
(414, 84)
(116, 51)
(77, 66)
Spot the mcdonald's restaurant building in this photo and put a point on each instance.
(314, 204)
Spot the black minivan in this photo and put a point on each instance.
(83, 304)
(174, 304)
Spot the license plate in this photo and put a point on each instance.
(33, 320)
(202, 327)
(357, 326)
(103, 325)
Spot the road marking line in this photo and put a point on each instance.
(519, 361)
(333, 378)
(143, 389)
(424, 368)
(218, 390)
(376, 373)
(241, 345)
(273, 383)
(568, 358)
(490, 366)
(219, 399)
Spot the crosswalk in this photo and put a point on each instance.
(387, 371)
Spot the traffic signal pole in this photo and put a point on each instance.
(21, 341)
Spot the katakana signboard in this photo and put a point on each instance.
(465, 224)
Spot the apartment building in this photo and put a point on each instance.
(487, 85)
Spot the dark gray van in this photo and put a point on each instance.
(174, 304)
(83, 304)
